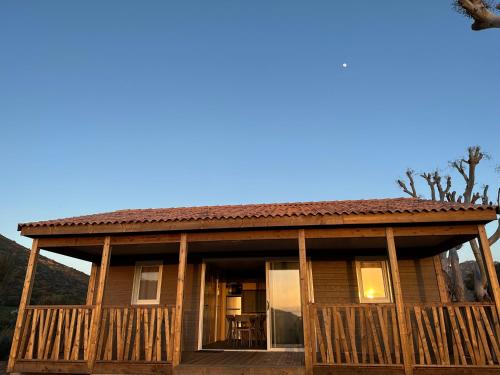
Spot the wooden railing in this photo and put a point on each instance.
(465, 334)
(355, 334)
(136, 333)
(55, 333)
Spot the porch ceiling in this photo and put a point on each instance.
(413, 246)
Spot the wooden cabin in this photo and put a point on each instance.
(293, 288)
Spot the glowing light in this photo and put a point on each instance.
(370, 293)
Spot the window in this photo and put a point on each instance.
(147, 283)
(373, 281)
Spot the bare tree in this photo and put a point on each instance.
(439, 191)
(481, 11)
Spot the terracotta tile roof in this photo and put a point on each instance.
(270, 210)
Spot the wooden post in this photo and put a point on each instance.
(95, 324)
(443, 291)
(398, 299)
(490, 266)
(91, 287)
(304, 297)
(25, 300)
(179, 300)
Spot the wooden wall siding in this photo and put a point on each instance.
(138, 334)
(119, 284)
(454, 334)
(418, 280)
(355, 334)
(335, 281)
(55, 333)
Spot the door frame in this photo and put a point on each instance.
(266, 260)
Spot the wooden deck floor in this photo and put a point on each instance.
(241, 363)
(243, 358)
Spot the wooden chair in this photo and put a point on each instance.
(244, 327)
(231, 330)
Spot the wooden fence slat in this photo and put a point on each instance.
(42, 339)
(430, 333)
(102, 334)
(159, 318)
(351, 324)
(363, 335)
(128, 339)
(168, 346)
(86, 335)
(380, 356)
(137, 346)
(31, 342)
(57, 340)
(493, 339)
(49, 334)
(119, 335)
(328, 335)
(439, 339)
(465, 335)
(472, 334)
(482, 335)
(444, 336)
(423, 339)
(76, 345)
(319, 336)
(343, 341)
(456, 335)
(151, 333)
(383, 331)
(25, 334)
(371, 354)
(395, 335)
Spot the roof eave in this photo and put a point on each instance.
(479, 216)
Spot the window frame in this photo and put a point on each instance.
(136, 284)
(386, 280)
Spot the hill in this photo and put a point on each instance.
(55, 284)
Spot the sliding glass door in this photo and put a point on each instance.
(284, 315)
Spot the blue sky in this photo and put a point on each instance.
(123, 104)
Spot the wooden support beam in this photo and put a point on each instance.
(25, 300)
(179, 300)
(490, 266)
(398, 299)
(443, 291)
(304, 298)
(91, 287)
(95, 324)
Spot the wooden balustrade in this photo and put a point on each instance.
(55, 333)
(136, 333)
(355, 334)
(454, 334)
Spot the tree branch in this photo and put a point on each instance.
(495, 236)
(428, 177)
(413, 192)
(481, 13)
(484, 197)
(437, 180)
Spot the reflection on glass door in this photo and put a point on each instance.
(284, 313)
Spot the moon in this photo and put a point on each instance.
(344, 65)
